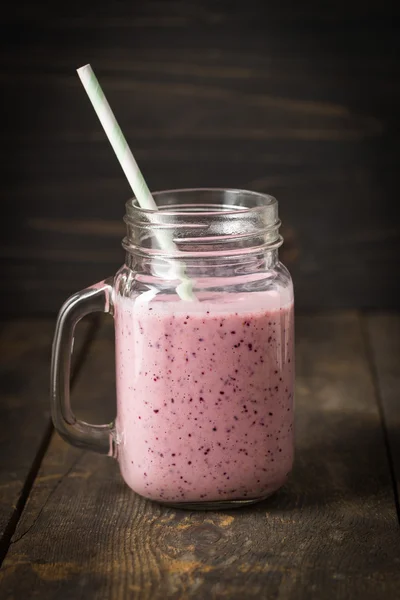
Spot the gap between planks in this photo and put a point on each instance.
(365, 324)
(76, 368)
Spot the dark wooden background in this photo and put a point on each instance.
(299, 99)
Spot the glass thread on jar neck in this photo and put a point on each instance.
(204, 223)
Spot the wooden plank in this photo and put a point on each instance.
(54, 262)
(331, 533)
(25, 427)
(157, 13)
(384, 334)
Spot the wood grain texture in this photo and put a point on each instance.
(297, 101)
(331, 533)
(25, 425)
(384, 336)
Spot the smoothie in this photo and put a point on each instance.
(205, 396)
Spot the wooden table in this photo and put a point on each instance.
(71, 529)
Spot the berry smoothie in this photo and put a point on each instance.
(205, 396)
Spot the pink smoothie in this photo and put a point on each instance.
(205, 396)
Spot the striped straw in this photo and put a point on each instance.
(130, 168)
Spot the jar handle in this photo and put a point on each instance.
(99, 438)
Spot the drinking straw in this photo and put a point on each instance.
(130, 168)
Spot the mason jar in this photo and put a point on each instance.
(204, 349)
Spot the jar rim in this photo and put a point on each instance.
(261, 202)
(204, 220)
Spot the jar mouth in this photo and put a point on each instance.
(257, 202)
(203, 220)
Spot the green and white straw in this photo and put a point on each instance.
(131, 169)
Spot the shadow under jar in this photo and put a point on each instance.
(204, 379)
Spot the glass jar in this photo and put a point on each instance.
(205, 376)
